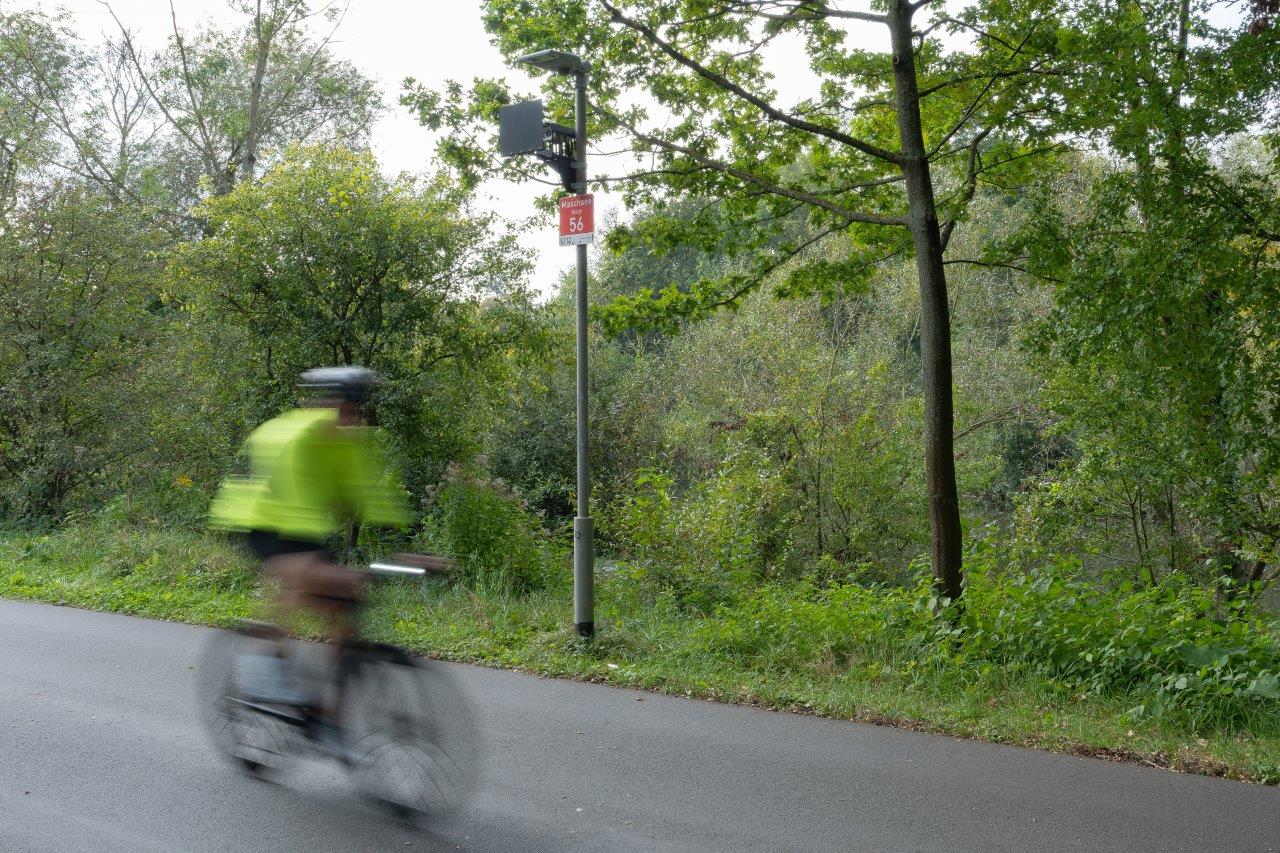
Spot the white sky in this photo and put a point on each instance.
(431, 40)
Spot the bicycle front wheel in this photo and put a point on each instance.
(411, 732)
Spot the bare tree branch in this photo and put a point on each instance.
(127, 40)
(196, 107)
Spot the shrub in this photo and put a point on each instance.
(1164, 643)
(1161, 648)
(793, 626)
(706, 547)
(498, 541)
(155, 500)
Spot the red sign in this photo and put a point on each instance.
(577, 219)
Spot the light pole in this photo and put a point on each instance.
(560, 62)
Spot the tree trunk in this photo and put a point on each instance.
(249, 158)
(935, 321)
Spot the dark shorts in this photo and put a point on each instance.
(266, 544)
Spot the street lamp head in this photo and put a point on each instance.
(555, 61)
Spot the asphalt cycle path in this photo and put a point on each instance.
(101, 749)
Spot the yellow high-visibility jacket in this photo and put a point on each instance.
(309, 476)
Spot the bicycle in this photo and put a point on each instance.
(409, 743)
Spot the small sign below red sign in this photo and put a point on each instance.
(577, 219)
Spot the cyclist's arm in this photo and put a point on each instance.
(375, 493)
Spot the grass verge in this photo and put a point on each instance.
(643, 643)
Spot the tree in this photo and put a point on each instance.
(324, 260)
(149, 126)
(78, 289)
(227, 96)
(863, 158)
(1159, 350)
(87, 114)
(27, 99)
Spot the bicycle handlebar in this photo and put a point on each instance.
(411, 565)
(393, 570)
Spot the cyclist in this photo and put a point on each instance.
(313, 471)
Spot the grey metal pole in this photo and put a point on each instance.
(583, 535)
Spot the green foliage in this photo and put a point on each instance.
(777, 177)
(708, 545)
(799, 626)
(823, 400)
(80, 321)
(149, 571)
(1163, 644)
(39, 67)
(1158, 648)
(153, 500)
(203, 83)
(1159, 363)
(499, 543)
(531, 443)
(1157, 356)
(326, 261)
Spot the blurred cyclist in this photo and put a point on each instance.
(313, 471)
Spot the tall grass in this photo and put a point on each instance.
(1049, 660)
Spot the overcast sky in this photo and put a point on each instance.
(428, 39)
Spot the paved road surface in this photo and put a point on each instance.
(100, 750)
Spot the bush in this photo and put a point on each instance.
(500, 544)
(1164, 643)
(794, 626)
(1161, 648)
(154, 501)
(706, 547)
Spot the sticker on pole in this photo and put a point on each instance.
(577, 219)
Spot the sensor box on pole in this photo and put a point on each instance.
(520, 128)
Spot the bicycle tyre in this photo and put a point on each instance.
(410, 730)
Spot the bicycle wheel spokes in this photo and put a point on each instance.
(256, 740)
(411, 732)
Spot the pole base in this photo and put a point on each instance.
(584, 610)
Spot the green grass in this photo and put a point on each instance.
(644, 642)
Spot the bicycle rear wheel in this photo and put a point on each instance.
(250, 739)
(410, 729)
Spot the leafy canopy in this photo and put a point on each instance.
(689, 85)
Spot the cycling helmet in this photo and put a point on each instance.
(353, 384)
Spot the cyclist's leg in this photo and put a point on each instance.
(309, 579)
(280, 563)
(334, 592)
(284, 569)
